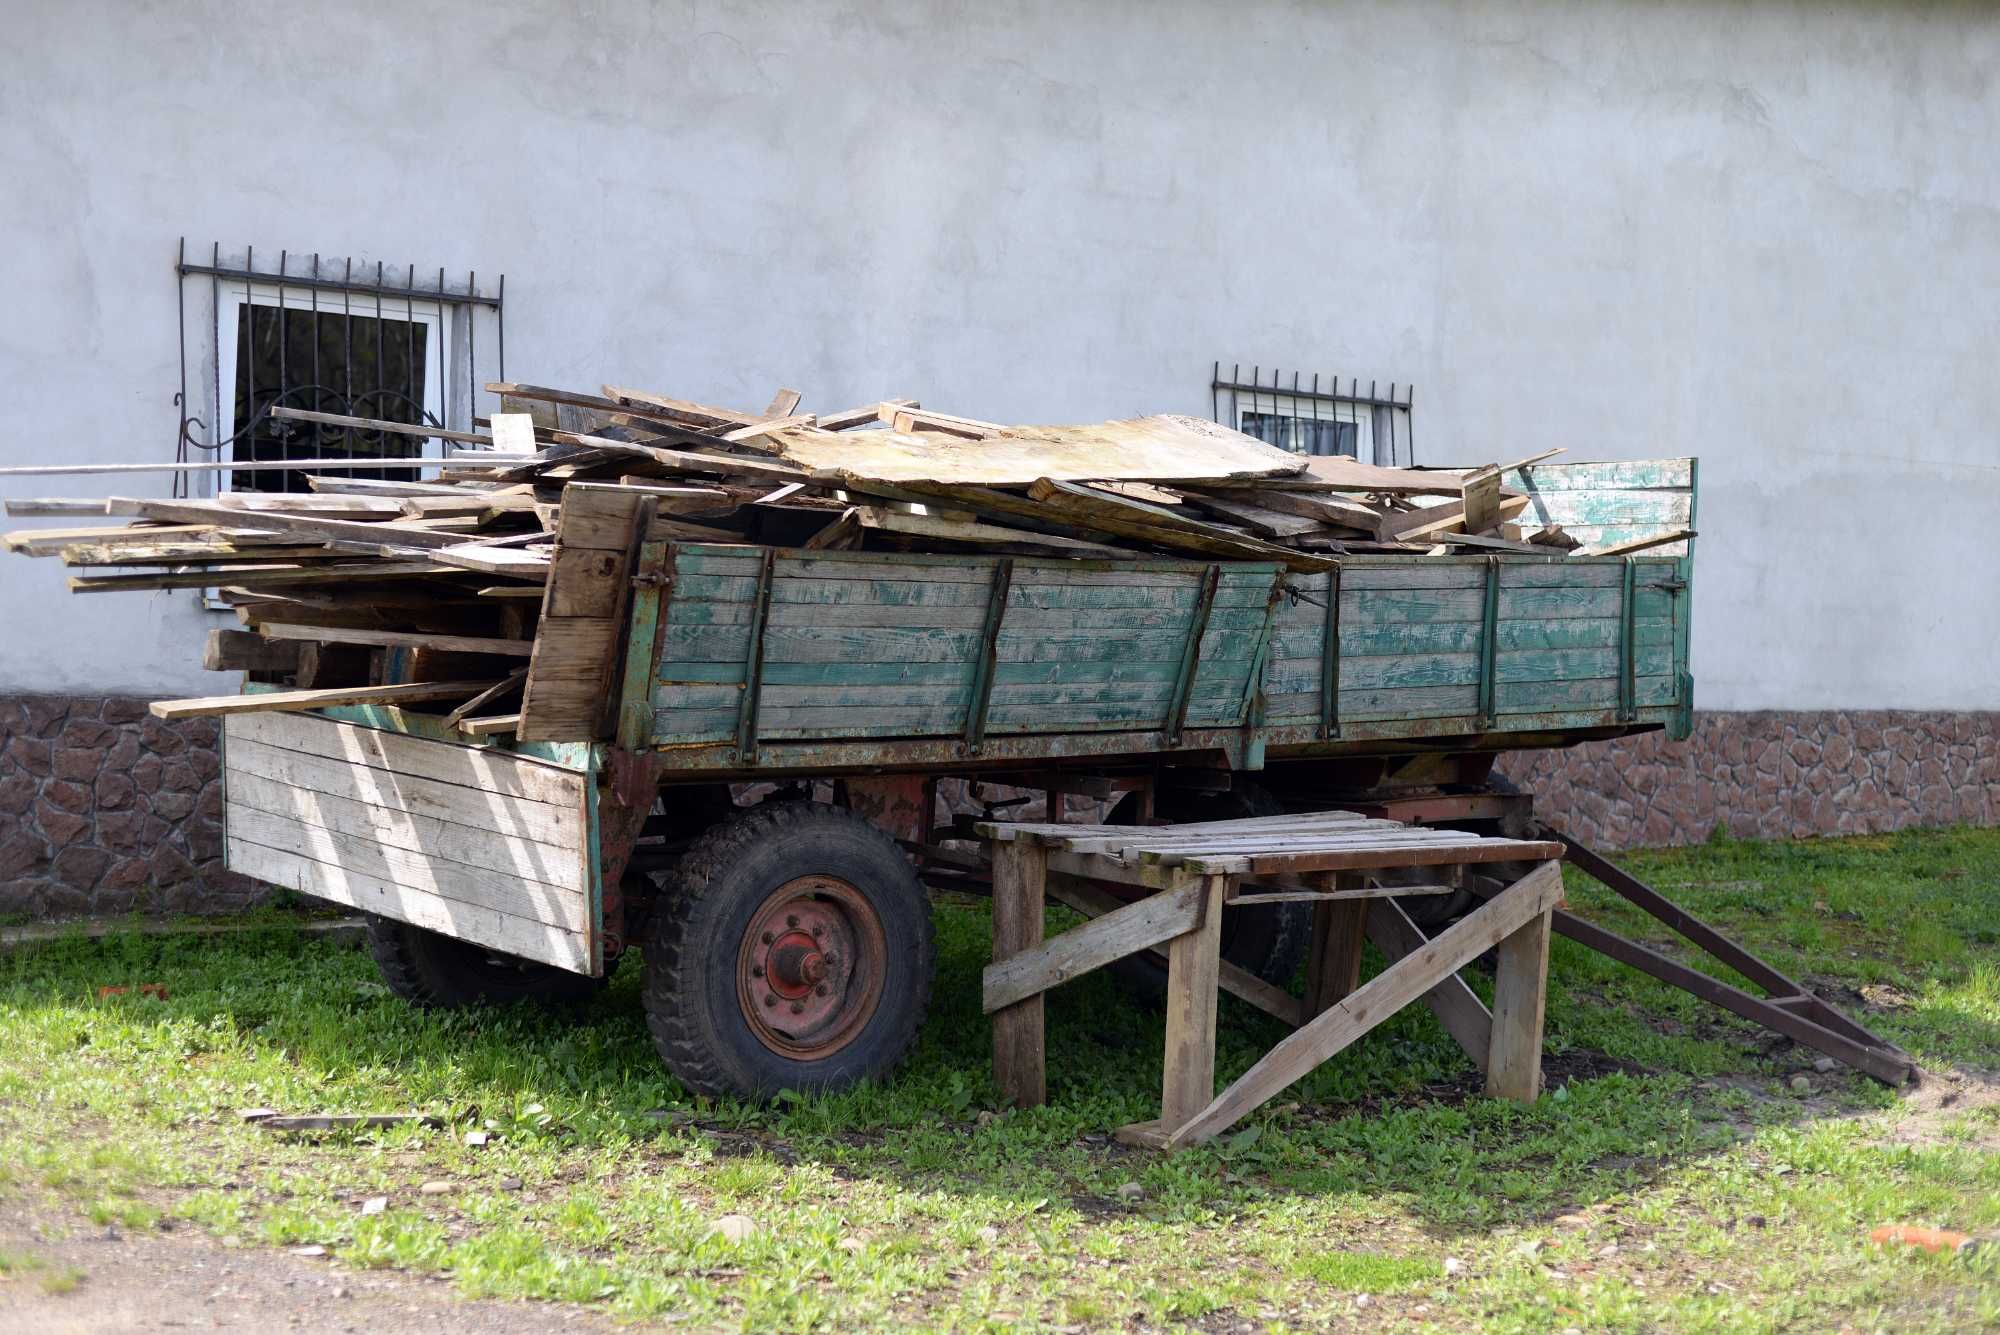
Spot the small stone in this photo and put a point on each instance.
(437, 1188)
(375, 1205)
(987, 1117)
(256, 1114)
(1573, 1220)
(476, 1138)
(1362, 1300)
(851, 1244)
(309, 1251)
(340, 1292)
(1825, 1065)
(510, 1184)
(734, 1228)
(1608, 1249)
(1131, 1191)
(989, 1235)
(1755, 1221)
(1801, 1085)
(1531, 1246)
(1452, 1265)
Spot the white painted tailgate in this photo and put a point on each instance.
(478, 844)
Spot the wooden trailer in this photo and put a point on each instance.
(690, 708)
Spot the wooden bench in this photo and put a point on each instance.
(1340, 861)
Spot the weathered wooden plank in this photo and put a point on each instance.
(1520, 994)
(393, 826)
(1457, 1007)
(269, 701)
(536, 901)
(478, 768)
(1187, 1080)
(562, 947)
(1302, 643)
(1020, 881)
(1099, 942)
(242, 651)
(464, 644)
(1382, 996)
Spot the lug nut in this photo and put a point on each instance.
(770, 999)
(756, 971)
(791, 920)
(820, 991)
(768, 938)
(819, 932)
(798, 1007)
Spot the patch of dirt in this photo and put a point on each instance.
(184, 1280)
(1931, 1113)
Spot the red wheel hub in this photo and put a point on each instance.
(809, 972)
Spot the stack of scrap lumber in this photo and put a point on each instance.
(438, 591)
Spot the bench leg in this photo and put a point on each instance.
(1520, 992)
(1333, 968)
(1187, 1084)
(1020, 879)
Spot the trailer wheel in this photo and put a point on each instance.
(791, 949)
(440, 972)
(1270, 940)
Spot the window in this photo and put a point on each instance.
(1309, 416)
(328, 337)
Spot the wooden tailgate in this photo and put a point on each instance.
(478, 844)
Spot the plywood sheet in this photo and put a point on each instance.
(1157, 449)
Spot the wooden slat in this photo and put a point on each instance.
(267, 701)
(465, 644)
(477, 768)
(1520, 994)
(505, 932)
(1097, 943)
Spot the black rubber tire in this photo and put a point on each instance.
(440, 972)
(691, 994)
(1270, 940)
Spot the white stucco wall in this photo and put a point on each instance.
(1766, 235)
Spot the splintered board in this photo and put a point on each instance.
(1153, 449)
(885, 645)
(476, 843)
(583, 609)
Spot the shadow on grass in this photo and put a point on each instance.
(271, 1018)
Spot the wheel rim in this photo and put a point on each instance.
(809, 971)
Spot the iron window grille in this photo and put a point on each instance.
(331, 336)
(1308, 417)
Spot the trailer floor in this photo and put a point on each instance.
(1674, 1177)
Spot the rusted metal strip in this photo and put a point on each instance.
(1489, 641)
(753, 664)
(1329, 666)
(981, 694)
(1177, 706)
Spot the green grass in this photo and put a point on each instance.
(1670, 1179)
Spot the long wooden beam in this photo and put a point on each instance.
(1124, 931)
(264, 701)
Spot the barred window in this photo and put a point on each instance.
(1307, 415)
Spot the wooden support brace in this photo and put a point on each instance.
(1124, 931)
(1520, 992)
(1187, 1081)
(1457, 1007)
(1385, 994)
(1020, 877)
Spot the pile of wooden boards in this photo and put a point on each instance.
(401, 591)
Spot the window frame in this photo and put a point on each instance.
(439, 319)
(1301, 408)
